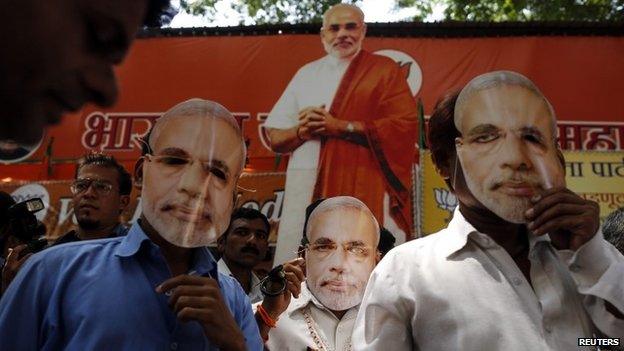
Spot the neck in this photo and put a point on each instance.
(339, 314)
(178, 258)
(511, 236)
(98, 233)
(241, 273)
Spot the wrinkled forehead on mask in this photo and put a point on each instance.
(197, 107)
(498, 79)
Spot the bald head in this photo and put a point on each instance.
(197, 108)
(343, 7)
(343, 203)
(496, 80)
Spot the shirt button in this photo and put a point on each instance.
(516, 281)
(174, 345)
(575, 267)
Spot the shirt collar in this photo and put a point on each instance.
(203, 262)
(460, 230)
(132, 242)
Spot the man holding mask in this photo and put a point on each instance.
(523, 264)
(341, 253)
(158, 287)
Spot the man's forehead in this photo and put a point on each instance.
(505, 107)
(97, 172)
(343, 15)
(183, 130)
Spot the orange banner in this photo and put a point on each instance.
(582, 77)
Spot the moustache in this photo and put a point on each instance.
(533, 182)
(250, 249)
(340, 279)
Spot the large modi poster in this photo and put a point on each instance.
(582, 76)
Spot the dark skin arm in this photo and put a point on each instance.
(276, 305)
(570, 220)
(199, 299)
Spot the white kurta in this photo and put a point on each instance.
(255, 294)
(315, 84)
(459, 290)
(292, 332)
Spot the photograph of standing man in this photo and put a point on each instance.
(349, 121)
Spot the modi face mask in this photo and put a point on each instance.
(507, 149)
(190, 174)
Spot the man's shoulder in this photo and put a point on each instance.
(72, 251)
(231, 289)
(311, 67)
(418, 250)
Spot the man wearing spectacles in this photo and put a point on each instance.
(101, 192)
(158, 287)
(347, 116)
(340, 246)
(243, 245)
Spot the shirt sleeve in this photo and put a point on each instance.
(383, 321)
(247, 322)
(598, 270)
(28, 314)
(285, 113)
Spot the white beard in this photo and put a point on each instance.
(175, 231)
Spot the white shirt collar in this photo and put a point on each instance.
(461, 230)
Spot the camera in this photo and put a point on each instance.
(24, 226)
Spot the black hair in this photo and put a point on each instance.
(156, 9)
(613, 229)
(309, 209)
(99, 159)
(386, 241)
(6, 201)
(249, 214)
(441, 132)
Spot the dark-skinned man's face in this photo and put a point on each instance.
(59, 55)
(246, 243)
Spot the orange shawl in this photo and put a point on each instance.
(373, 91)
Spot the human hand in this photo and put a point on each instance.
(276, 305)
(570, 220)
(196, 298)
(310, 120)
(12, 265)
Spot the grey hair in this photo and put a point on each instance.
(203, 108)
(339, 6)
(496, 79)
(613, 229)
(343, 202)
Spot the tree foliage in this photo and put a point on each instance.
(268, 11)
(527, 10)
(307, 11)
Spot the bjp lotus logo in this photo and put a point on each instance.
(446, 201)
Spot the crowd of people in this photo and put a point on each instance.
(523, 264)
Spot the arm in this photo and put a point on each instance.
(596, 266)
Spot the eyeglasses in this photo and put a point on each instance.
(349, 27)
(173, 165)
(354, 249)
(101, 187)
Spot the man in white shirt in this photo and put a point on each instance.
(523, 264)
(242, 246)
(342, 252)
(341, 117)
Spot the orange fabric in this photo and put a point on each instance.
(373, 91)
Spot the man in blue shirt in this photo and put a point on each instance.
(157, 288)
